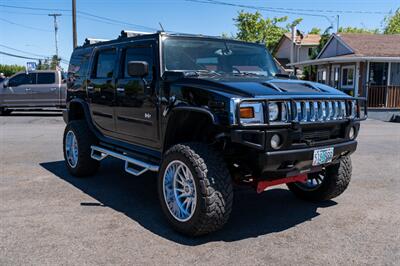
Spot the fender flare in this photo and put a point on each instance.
(205, 111)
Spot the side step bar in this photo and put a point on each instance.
(99, 153)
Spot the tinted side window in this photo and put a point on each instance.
(105, 63)
(79, 64)
(46, 78)
(22, 79)
(143, 53)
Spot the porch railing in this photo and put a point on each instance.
(384, 96)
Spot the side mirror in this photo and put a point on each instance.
(138, 69)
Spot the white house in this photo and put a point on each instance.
(304, 47)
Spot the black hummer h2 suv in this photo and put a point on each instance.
(206, 114)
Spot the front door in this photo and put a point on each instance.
(101, 89)
(136, 108)
(46, 92)
(19, 90)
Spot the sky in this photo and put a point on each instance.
(30, 32)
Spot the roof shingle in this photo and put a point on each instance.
(380, 45)
(308, 39)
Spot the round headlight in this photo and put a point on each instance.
(273, 111)
(275, 141)
(352, 133)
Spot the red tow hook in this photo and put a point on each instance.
(263, 185)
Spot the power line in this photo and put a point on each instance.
(24, 26)
(39, 55)
(21, 51)
(115, 21)
(20, 56)
(290, 9)
(36, 8)
(100, 18)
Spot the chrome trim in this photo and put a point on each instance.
(304, 110)
(99, 153)
(233, 108)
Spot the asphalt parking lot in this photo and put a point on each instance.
(48, 217)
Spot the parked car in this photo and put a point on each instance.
(34, 90)
(206, 113)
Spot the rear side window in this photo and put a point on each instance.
(105, 64)
(46, 78)
(79, 64)
(142, 53)
(23, 79)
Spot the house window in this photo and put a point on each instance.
(378, 73)
(347, 77)
(395, 74)
(321, 75)
(335, 76)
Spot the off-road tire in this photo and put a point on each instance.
(336, 180)
(86, 166)
(213, 185)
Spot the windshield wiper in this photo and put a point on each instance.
(241, 73)
(204, 72)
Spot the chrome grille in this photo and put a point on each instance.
(310, 111)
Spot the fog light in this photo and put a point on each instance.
(352, 133)
(276, 141)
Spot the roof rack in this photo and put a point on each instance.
(131, 33)
(89, 41)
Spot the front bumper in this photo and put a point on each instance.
(277, 164)
(295, 155)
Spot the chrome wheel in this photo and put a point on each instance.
(179, 191)
(314, 181)
(71, 149)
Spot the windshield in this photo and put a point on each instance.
(217, 56)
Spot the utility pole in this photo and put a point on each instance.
(337, 23)
(74, 34)
(293, 47)
(55, 30)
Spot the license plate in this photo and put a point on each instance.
(323, 156)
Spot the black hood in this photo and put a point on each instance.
(258, 87)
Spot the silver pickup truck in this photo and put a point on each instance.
(34, 90)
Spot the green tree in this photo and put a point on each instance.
(55, 61)
(252, 27)
(357, 30)
(315, 30)
(393, 23)
(43, 65)
(9, 70)
(47, 64)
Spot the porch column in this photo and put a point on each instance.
(357, 76)
(367, 83)
(388, 83)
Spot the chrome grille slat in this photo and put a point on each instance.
(298, 111)
(321, 110)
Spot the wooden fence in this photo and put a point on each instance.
(384, 96)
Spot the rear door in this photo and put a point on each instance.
(136, 108)
(19, 90)
(101, 88)
(46, 92)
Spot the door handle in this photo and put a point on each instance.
(120, 90)
(90, 88)
(53, 89)
(28, 89)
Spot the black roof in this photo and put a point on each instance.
(130, 35)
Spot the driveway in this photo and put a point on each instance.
(48, 217)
